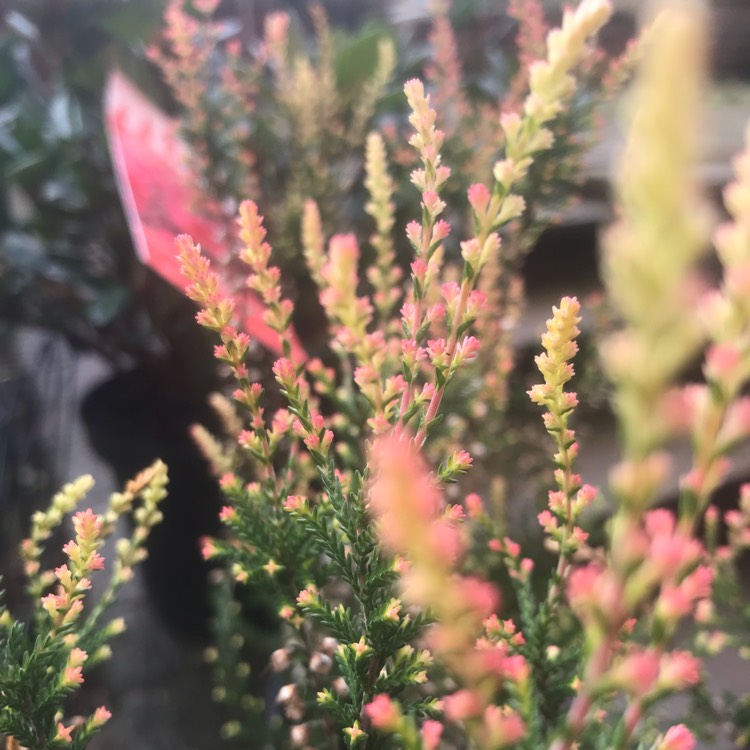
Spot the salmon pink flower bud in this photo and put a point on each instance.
(285, 373)
(75, 609)
(227, 514)
(308, 597)
(436, 350)
(272, 567)
(431, 733)
(722, 362)
(354, 733)
(442, 173)
(419, 270)
(384, 714)
(471, 252)
(450, 292)
(673, 604)
(77, 657)
(296, 504)
(392, 610)
(475, 304)
(414, 234)
(637, 673)
(678, 737)
(513, 206)
(72, 676)
(510, 122)
(474, 505)
(594, 592)
(512, 549)
(556, 501)
(440, 231)
(462, 705)
(502, 727)
(445, 539)
(679, 670)
(64, 575)
(432, 203)
(286, 612)
(479, 198)
(95, 562)
(480, 596)
(436, 313)
(228, 481)
(360, 648)
(462, 460)
(548, 522)
(578, 536)
(63, 733)
(208, 548)
(697, 585)
(467, 349)
(100, 717)
(506, 172)
(454, 513)
(585, 497)
(737, 423)
(517, 668)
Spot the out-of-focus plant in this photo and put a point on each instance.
(283, 122)
(44, 661)
(274, 121)
(66, 261)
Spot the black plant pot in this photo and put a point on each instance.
(133, 419)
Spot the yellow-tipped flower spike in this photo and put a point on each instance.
(663, 228)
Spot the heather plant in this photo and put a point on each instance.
(337, 480)
(277, 121)
(45, 657)
(260, 128)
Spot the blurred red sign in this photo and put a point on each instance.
(149, 160)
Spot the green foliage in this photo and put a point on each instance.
(43, 661)
(66, 262)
